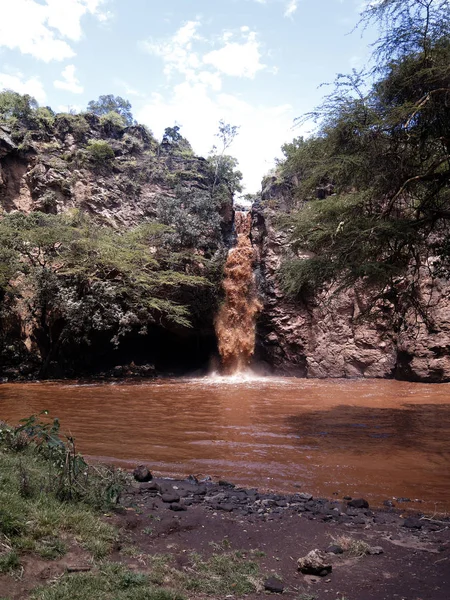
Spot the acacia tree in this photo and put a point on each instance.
(72, 277)
(226, 134)
(385, 149)
(109, 103)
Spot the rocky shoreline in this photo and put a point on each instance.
(323, 547)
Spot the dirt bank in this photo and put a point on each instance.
(386, 554)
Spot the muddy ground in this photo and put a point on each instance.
(411, 559)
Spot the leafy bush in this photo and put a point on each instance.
(100, 152)
(109, 104)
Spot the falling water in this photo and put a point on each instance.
(235, 323)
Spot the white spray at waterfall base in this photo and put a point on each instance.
(235, 323)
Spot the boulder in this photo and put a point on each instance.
(142, 474)
(358, 503)
(412, 523)
(274, 585)
(314, 563)
(170, 497)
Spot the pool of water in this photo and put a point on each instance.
(377, 438)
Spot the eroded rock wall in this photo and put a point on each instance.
(329, 334)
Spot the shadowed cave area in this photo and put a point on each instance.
(159, 352)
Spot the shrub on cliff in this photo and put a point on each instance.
(100, 152)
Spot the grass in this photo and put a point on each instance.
(111, 582)
(38, 521)
(46, 510)
(351, 545)
(221, 574)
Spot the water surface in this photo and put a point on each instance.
(376, 438)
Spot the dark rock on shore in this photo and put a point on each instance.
(274, 585)
(412, 523)
(358, 503)
(142, 474)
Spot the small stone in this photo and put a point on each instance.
(224, 507)
(175, 506)
(374, 550)
(314, 563)
(388, 503)
(304, 496)
(142, 474)
(403, 499)
(358, 503)
(335, 549)
(78, 568)
(149, 486)
(224, 483)
(168, 497)
(274, 585)
(412, 523)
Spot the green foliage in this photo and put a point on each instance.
(383, 153)
(110, 581)
(34, 516)
(194, 219)
(100, 152)
(70, 477)
(74, 124)
(174, 142)
(16, 106)
(113, 119)
(74, 277)
(105, 105)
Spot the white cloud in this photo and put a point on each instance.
(234, 58)
(263, 129)
(237, 59)
(176, 52)
(69, 82)
(20, 84)
(198, 102)
(291, 8)
(41, 29)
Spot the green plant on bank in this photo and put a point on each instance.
(380, 162)
(222, 573)
(49, 496)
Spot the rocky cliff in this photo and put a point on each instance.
(335, 333)
(122, 177)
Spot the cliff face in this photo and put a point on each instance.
(122, 177)
(55, 169)
(329, 334)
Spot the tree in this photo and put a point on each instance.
(384, 148)
(109, 103)
(173, 141)
(72, 277)
(14, 105)
(226, 135)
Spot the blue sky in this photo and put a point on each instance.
(254, 63)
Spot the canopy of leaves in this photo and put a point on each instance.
(383, 149)
(109, 103)
(74, 277)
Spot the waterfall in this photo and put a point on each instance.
(235, 323)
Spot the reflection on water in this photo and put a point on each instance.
(378, 438)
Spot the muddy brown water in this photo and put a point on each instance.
(376, 438)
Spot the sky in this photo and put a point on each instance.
(257, 64)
